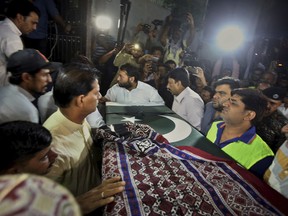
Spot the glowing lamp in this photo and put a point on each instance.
(103, 22)
(230, 38)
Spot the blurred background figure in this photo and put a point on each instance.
(38, 38)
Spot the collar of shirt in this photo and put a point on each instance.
(181, 96)
(24, 92)
(66, 121)
(14, 28)
(246, 137)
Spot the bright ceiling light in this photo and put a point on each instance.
(230, 38)
(103, 22)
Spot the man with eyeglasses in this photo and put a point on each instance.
(21, 18)
(236, 134)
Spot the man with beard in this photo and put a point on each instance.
(223, 88)
(129, 90)
(270, 127)
(30, 75)
(236, 134)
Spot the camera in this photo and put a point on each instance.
(154, 67)
(192, 70)
(146, 28)
(157, 22)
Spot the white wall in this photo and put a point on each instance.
(143, 11)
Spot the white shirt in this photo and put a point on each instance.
(16, 105)
(189, 105)
(141, 95)
(283, 110)
(76, 164)
(173, 50)
(10, 42)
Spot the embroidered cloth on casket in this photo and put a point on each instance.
(164, 180)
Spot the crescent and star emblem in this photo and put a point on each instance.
(181, 129)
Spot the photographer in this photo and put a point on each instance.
(148, 68)
(148, 34)
(178, 33)
(131, 53)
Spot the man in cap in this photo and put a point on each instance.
(21, 18)
(30, 75)
(269, 129)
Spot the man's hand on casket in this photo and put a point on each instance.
(104, 132)
(100, 195)
(125, 130)
(122, 131)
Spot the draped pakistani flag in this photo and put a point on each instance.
(162, 179)
(163, 120)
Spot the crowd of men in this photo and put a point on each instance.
(48, 110)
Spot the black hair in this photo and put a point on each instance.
(180, 74)
(73, 80)
(23, 7)
(154, 48)
(170, 62)
(232, 82)
(131, 71)
(16, 79)
(167, 68)
(209, 89)
(21, 140)
(253, 100)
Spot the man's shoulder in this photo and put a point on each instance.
(276, 118)
(8, 29)
(143, 85)
(209, 109)
(279, 116)
(11, 95)
(53, 123)
(116, 88)
(191, 98)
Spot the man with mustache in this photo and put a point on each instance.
(129, 90)
(30, 75)
(26, 148)
(223, 88)
(236, 134)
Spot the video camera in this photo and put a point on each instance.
(157, 22)
(179, 16)
(146, 28)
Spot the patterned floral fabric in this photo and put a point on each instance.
(164, 180)
(34, 195)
